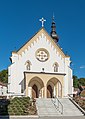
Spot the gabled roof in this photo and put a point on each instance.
(34, 38)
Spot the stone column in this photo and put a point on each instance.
(62, 90)
(42, 92)
(57, 90)
(54, 91)
(30, 92)
(45, 91)
(26, 84)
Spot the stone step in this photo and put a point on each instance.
(69, 108)
(45, 107)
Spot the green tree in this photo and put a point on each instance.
(75, 81)
(4, 76)
(82, 81)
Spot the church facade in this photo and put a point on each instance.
(40, 69)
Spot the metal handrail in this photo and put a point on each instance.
(58, 104)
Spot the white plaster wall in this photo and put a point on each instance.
(3, 90)
(37, 65)
(70, 82)
(13, 84)
(18, 67)
(66, 78)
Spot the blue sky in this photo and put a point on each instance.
(19, 20)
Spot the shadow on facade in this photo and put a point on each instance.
(22, 83)
(4, 108)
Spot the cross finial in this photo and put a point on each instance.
(42, 21)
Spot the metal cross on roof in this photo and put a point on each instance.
(42, 21)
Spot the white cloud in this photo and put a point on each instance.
(82, 67)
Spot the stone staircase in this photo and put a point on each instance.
(46, 107)
(69, 109)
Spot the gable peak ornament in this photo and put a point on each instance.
(42, 21)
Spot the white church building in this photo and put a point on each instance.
(40, 69)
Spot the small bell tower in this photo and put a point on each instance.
(53, 31)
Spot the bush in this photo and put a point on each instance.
(17, 106)
(82, 93)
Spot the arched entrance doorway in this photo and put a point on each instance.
(35, 91)
(49, 91)
(54, 88)
(37, 87)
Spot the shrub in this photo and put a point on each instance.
(82, 93)
(17, 106)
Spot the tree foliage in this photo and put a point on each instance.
(78, 81)
(4, 76)
(75, 81)
(82, 81)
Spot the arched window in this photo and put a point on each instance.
(55, 67)
(28, 65)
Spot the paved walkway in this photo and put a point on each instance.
(64, 117)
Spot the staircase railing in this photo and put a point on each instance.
(58, 104)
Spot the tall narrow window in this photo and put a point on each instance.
(55, 67)
(28, 65)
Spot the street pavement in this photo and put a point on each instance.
(49, 117)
